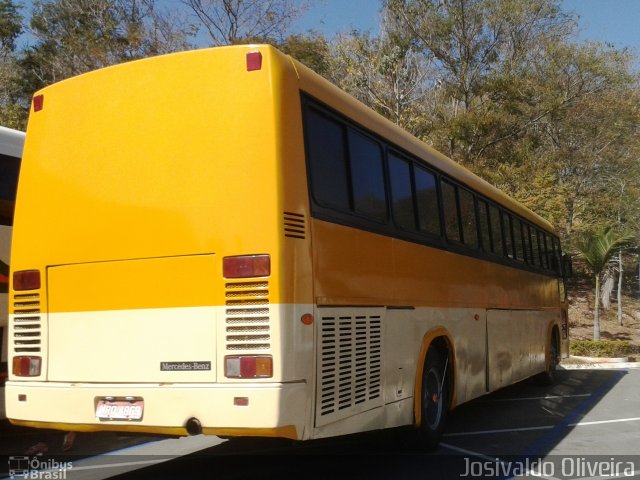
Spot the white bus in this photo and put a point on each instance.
(11, 143)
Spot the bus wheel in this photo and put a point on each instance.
(548, 377)
(434, 401)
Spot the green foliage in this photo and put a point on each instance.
(312, 50)
(589, 348)
(598, 247)
(10, 25)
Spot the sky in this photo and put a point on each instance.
(612, 21)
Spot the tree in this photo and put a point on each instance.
(233, 21)
(12, 110)
(597, 249)
(77, 36)
(311, 49)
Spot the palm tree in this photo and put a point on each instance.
(597, 248)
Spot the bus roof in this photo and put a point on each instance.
(11, 142)
(334, 97)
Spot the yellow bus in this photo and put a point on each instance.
(11, 143)
(221, 241)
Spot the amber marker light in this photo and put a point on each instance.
(307, 319)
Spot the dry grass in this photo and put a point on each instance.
(581, 299)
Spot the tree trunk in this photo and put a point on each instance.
(596, 312)
(620, 287)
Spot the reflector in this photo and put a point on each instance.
(38, 103)
(254, 61)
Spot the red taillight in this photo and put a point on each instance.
(38, 103)
(26, 366)
(248, 366)
(26, 280)
(246, 266)
(254, 61)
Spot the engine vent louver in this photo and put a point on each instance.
(294, 225)
(247, 316)
(27, 323)
(350, 364)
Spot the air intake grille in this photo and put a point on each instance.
(294, 225)
(247, 316)
(350, 363)
(27, 325)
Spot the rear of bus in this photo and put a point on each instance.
(149, 290)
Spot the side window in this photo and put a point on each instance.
(450, 209)
(9, 169)
(496, 230)
(401, 192)
(534, 247)
(427, 197)
(517, 239)
(367, 176)
(543, 249)
(326, 154)
(555, 255)
(508, 234)
(468, 217)
(483, 223)
(526, 237)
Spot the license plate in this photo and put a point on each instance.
(120, 409)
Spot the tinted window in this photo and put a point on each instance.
(468, 217)
(543, 249)
(401, 192)
(555, 255)
(527, 243)
(508, 234)
(517, 239)
(483, 223)
(496, 230)
(9, 169)
(534, 247)
(367, 176)
(450, 209)
(326, 153)
(427, 196)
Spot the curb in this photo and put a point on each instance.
(599, 364)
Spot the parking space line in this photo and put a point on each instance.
(468, 452)
(542, 427)
(546, 397)
(508, 464)
(599, 422)
(500, 430)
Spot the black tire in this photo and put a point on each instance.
(548, 377)
(435, 398)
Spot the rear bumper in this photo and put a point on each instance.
(274, 409)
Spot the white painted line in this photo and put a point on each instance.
(508, 465)
(547, 397)
(502, 430)
(99, 467)
(469, 452)
(543, 427)
(600, 422)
